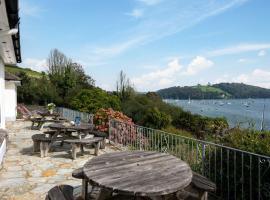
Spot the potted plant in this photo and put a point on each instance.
(51, 107)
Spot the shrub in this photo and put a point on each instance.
(102, 117)
(90, 100)
(156, 119)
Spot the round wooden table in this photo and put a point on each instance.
(138, 173)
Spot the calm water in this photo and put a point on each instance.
(237, 111)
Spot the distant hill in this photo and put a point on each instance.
(216, 91)
(17, 70)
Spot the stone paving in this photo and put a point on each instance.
(25, 175)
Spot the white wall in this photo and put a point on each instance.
(10, 101)
(2, 90)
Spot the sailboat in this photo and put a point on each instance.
(189, 102)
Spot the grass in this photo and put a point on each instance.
(16, 70)
(206, 88)
(172, 129)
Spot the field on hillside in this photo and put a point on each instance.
(17, 70)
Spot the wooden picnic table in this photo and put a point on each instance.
(62, 129)
(48, 114)
(138, 173)
(38, 122)
(80, 128)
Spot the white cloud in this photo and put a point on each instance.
(262, 53)
(35, 64)
(136, 13)
(159, 78)
(198, 64)
(238, 49)
(258, 77)
(170, 75)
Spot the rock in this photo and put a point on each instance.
(48, 172)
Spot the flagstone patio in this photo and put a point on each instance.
(25, 175)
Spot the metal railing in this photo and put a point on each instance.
(72, 114)
(237, 174)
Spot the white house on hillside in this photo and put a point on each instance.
(9, 54)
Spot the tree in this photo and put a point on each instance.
(90, 100)
(123, 87)
(68, 77)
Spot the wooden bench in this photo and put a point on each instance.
(100, 134)
(42, 144)
(80, 143)
(198, 188)
(61, 192)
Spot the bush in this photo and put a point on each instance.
(156, 119)
(200, 125)
(102, 117)
(91, 100)
(248, 140)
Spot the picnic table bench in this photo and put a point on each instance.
(100, 134)
(78, 144)
(42, 144)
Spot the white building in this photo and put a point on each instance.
(9, 54)
(11, 83)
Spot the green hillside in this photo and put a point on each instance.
(216, 91)
(17, 70)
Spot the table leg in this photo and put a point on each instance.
(97, 145)
(74, 148)
(82, 150)
(36, 146)
(103, 143)
(84, 189)
(44, 148)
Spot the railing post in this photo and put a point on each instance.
(110, 130)
(203, 157)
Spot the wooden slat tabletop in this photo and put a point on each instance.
(77, 128)
(140, 173)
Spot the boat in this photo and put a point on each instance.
(221, 103)
(246, 104)
(189, 102)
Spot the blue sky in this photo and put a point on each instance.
(157, 43)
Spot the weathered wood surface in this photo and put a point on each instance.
(78, 145)
(78, 173)
(83, 127)
(62, 192)
(85, 141)
(138, 173)
(41, 143)
(203, 183)
(37, 123)
(100, 134)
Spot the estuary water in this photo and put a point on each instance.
(243, 112)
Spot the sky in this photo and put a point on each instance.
(157, 43)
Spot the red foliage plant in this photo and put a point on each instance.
(102, 117)
(123, 130)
